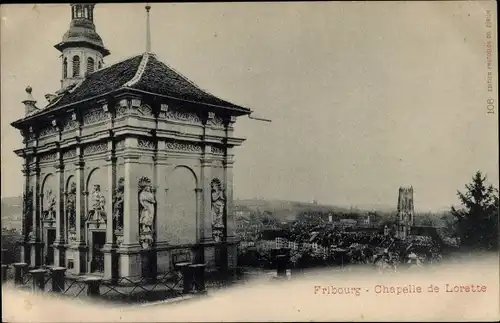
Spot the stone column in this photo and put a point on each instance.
(59, 242)
(110, 259)
(130, 249)
(206, 164)
(36, 239)
(79, 252)
(26, 218)
(207, 239)
(230, 225)
(229, 210)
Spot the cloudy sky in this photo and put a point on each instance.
(363, 97)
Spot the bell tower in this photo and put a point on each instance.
(82, 48)
(406, 212)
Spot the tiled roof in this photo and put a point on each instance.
(155, 77)
(162, 79)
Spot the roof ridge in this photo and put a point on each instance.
(140, 71)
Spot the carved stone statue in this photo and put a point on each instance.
(98, 204)
(71, 206)
(218, 205)
(118, 204)
(50, 208)
(147, 203)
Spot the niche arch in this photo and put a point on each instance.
(178, 223)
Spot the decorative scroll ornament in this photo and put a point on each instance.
(97, 205)
(94, 115)
(147, 203)
(48, 157)
(71, 207)
(217, 150)
(119, 240)
(95, 148)
(217, 211)
(120, 144)
(70, 123)
(50, 206)
(216, 122)
(69, 153)
(145, 110)
(118, 204)
(122, 108)
(183, 116)
(144, 143)
(47, 131)
(183, 146)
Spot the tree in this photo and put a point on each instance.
(477, 220)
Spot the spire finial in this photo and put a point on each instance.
(148, 31)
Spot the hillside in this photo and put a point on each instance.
(289, 210)
(11, 212)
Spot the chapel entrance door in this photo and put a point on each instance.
(49, 256)
(98, 241)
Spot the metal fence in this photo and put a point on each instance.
(185, 279)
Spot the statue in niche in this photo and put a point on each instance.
(98, 204)
(218, 205)
(147, 203)
(118, 204)
(71, 206)
(50, 208)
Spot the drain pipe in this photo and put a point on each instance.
(258, 119)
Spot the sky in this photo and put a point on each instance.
(364, 97)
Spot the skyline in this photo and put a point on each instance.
(363, 97)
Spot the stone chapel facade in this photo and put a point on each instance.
(129, 167)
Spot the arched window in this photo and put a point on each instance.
(100, 65)
(78, 12)
(76, 66)
(90, 65)
(65, 67)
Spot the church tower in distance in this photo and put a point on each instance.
(81, 47)
(406, 212)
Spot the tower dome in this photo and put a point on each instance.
(82, 48)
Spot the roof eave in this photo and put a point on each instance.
(62, 45)
(240, 111)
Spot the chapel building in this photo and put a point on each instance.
(129, 167)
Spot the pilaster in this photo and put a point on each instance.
(36, 236)
(27, 217)
(110, 258)
(206, 173)
(59, 242)
(79, 245)
(229, 209)
(130, 262)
